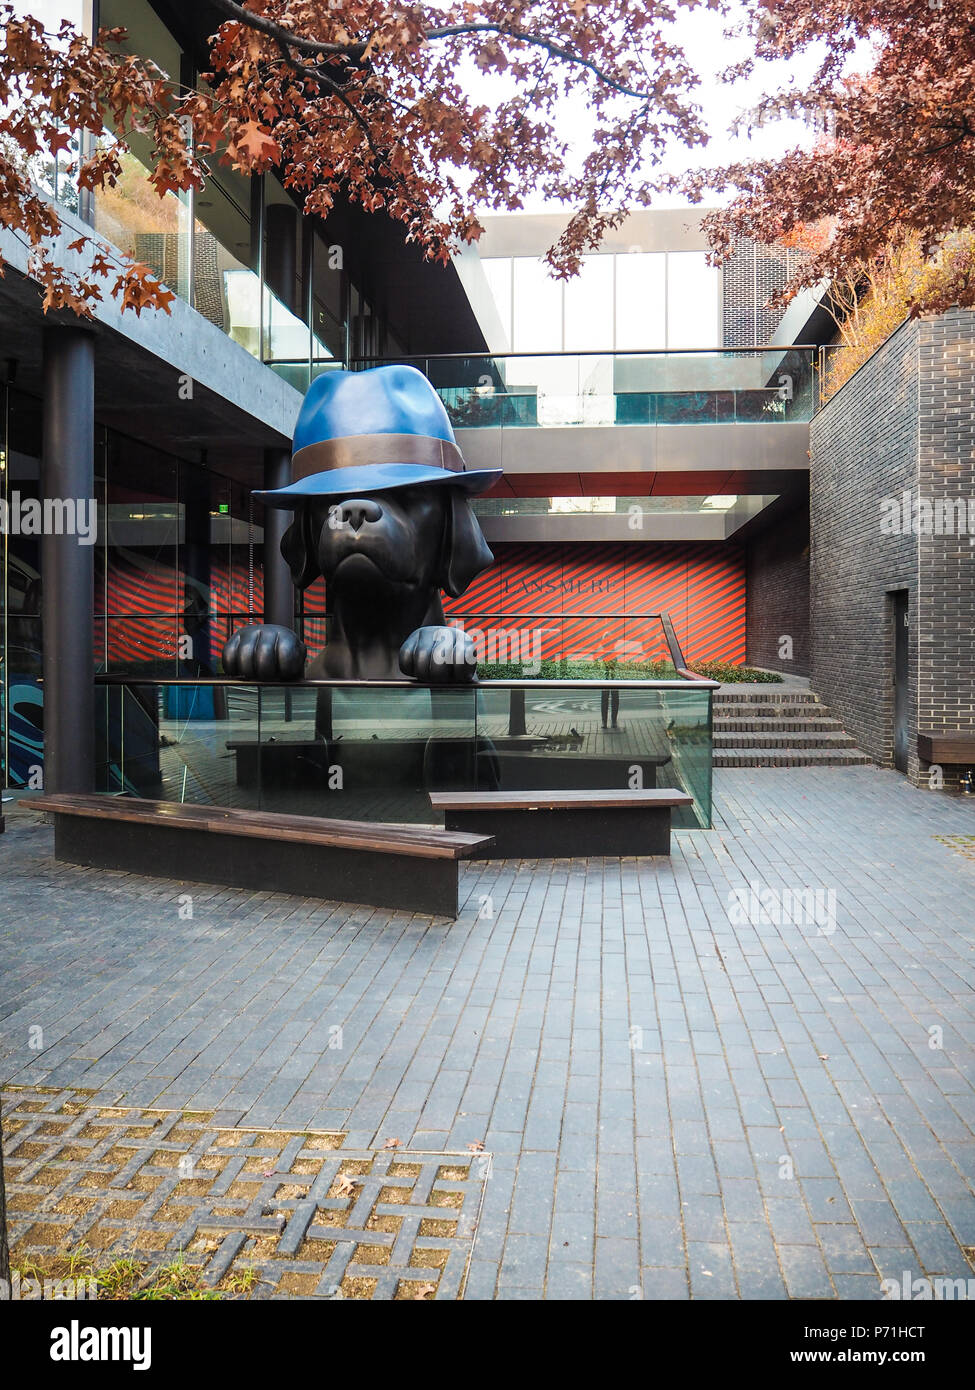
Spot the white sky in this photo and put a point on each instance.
(701, 33)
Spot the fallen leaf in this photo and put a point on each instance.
(477, 1147)
(424, 1289)
(393, 1144)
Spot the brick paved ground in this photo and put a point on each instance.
(676, 1100)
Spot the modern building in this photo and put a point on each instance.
(657, 425)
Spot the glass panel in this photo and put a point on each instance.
(21, 690)
(225, 288)
(374, 753)
(641, 301)
(692, 301)
(497, 272)
(667, 388)
(589, 306)
(144, 226)
(573, 737)
(138, 595)
(287, 344)
(537, 307)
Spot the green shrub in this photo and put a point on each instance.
(565, 670)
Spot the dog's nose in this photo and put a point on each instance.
(358, 510)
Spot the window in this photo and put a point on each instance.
(692, 301)
(640, 301)
(588, 301)
(537, 307)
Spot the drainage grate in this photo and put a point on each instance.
(257, 1213)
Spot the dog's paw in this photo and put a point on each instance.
(264, 652)
(438, 655)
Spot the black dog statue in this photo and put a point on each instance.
(382, 513)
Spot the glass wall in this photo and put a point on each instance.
(21, 720)
(238, 249)
(177, 567)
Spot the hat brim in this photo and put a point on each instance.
(375, 477)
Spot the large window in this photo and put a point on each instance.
(642, 301)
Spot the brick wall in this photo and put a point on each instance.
(777, 588)
(946, 588)
(864, 447)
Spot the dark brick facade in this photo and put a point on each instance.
(904, 422)
(946, 587)
(777, 588)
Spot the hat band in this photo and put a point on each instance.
(355, 450)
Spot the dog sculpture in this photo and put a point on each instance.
(382, 512)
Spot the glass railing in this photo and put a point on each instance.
(530, 646)
(374, 751)
(724, 386)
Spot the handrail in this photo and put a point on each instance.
(695, 682)
(585, 352)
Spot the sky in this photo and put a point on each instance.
(702, 35)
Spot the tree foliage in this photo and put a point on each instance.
(895, 162)
(362, 100)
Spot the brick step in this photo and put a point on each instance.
(785, 757)
(773, 694)
(746, 711)
(834, 738)
(816, 723)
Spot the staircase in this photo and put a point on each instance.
(778, 726)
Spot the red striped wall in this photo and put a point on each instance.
(597, 592)
(593, 595)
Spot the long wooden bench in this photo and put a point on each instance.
(414, 867)
(563, 824)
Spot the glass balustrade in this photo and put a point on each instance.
(559, 390)
(375, 751)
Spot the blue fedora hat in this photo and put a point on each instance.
(369, 432)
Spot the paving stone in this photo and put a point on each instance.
(515, 1033)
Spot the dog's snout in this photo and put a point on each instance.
(360, 509)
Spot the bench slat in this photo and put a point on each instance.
(598, 799)
(423, 841)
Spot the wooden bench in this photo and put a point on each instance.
(413, 867)
(563, 824)
(952, 747)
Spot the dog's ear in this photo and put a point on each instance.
(299, 548)
(465, 551)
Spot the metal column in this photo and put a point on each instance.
(67, 566)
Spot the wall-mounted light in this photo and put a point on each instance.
(965, 782)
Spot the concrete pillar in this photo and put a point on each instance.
(279, 594)
(67, 566)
